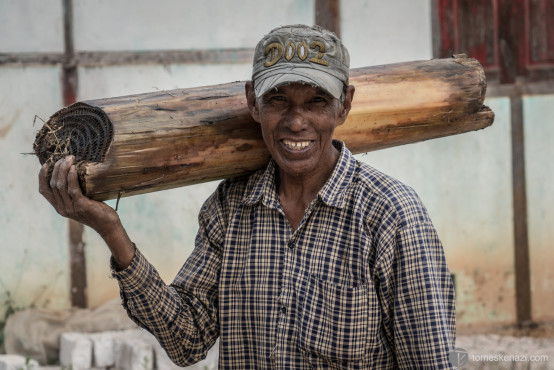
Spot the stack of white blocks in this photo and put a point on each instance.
(134, 349)
(15, 362)
(122, 350)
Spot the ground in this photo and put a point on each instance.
(508, 347)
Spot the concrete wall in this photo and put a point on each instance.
(378, 32)
(465, 180)
(539, 161)
(31, 26)
(33, 247)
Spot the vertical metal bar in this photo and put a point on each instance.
(455, 17)
(495, 38)
(526, 58)
(436, 29)
(521, 247)
(69, 67)
(327, 15)
(513, 45)
(77, 263)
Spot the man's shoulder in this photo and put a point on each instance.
(239, 186)
(231, 192)
(401, 198)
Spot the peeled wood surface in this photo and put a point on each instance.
(167, 139)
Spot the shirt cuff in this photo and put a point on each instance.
(133, 279)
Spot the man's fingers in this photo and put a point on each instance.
(54, 186)
(43, 186)
(73, 187)
(63, 170)
(81, 204)
(62, 182)
(58, 185)
(65, 195)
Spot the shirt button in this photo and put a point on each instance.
(283, 310)
(291, 245)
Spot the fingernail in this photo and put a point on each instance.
(69, 158)
(72, 168)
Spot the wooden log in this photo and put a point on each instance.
(149, 142)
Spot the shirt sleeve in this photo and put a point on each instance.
(419, 296)
(182, 316)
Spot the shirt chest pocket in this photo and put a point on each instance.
(336, 322)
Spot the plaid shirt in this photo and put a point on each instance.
(361, 284)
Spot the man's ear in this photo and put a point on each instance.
(251, 101)
(347, 104)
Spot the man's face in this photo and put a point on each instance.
(298, 122)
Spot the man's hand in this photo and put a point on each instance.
(65, 195)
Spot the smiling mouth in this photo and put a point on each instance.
(296, 145)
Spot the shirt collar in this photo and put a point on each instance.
(332, 193)
(262, 185)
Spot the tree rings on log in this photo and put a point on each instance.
(80, 130)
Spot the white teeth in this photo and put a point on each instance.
(296, 145)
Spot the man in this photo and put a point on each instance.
(317, 261)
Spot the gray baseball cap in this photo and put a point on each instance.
(300, 53)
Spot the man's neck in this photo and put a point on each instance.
(297, 192)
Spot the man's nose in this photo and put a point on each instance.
(296, 120)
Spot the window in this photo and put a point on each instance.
(511, 38)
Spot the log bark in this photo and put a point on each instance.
(167, 139)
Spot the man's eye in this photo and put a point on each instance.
(319, 99)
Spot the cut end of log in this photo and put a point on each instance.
(80, 130)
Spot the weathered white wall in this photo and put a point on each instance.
(177, 24)
(31, 26)
(33, 245)
(539, 162)
(381, 32)
(465, 183)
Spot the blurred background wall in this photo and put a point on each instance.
(489, 192)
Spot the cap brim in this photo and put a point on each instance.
(289, 74)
